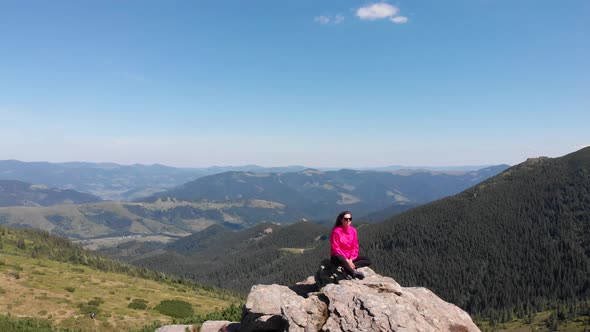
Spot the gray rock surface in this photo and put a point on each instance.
(279, 308)
(375, 303)
(175, 328)
(379, 303)
(219, 326)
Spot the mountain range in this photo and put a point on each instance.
(238, 200)
(317, 195)
(516, 243)
(116, 182)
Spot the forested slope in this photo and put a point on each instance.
(262, 254)
(514, 242)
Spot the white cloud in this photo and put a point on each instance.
(329, 19)
(322, 19)
(380, 11)
(377, 11)
(399, 19)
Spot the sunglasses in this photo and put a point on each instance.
(347, 219)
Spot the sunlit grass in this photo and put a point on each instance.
(54, 290)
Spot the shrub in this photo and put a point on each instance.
(85, 308)
(138, 304)
(96, 302)
(175, 308)
(70, 289)
(92, 306)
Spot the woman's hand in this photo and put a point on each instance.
(351, 263)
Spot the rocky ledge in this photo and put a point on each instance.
(330, 302)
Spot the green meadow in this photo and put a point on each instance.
(96, 295)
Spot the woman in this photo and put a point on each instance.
(345, 246)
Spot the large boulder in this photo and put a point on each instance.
(279, 308)
(375, 303)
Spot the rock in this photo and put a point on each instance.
(375, 303)
(378, 303)
(278, 308)
(219, 326)
(175, 328)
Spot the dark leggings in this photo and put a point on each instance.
(360, 261)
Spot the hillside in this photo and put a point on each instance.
(17, 193)
(265, 253)
(49, 278)
(511, 244)
(317, 195)
(106, 223)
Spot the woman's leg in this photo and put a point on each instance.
(362, 261)
(341, 261)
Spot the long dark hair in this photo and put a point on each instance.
(340, 217)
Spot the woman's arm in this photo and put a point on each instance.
(355, 246)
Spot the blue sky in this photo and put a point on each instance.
(332, 83)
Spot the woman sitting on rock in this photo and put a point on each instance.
(345, 247)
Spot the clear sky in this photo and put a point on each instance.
(318, 83)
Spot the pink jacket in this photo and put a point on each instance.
(344, 242)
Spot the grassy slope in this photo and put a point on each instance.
(115, 219)
(52, 290)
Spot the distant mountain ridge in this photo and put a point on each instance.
(239, 200)
(108, 180)
(17, 193)
(317, 195)
(112, 181)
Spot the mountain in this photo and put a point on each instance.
(17, 193)
(57, 283)
(108, 180)
(514, 244)
(113, 181)
(315, 195)
(238, 200)
(117, 182)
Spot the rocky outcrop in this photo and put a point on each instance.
(219, 326)
(176, 328)
(375, 303)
